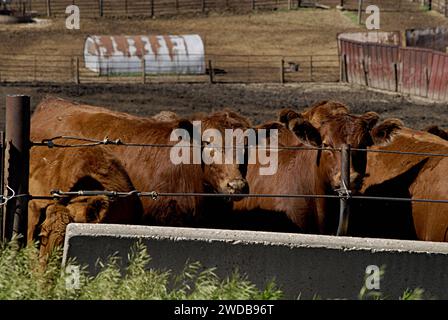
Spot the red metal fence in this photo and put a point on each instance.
(415, 71)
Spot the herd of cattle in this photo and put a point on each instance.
(309, 171)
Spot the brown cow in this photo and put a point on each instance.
(435, 130)
(405, 176)
(149, 168)
(72, 170)
(315, 172)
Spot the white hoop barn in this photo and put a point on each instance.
(173, 54)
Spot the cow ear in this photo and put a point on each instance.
(96, 208)
(383, 133)
(186, 125)
(435, 130)
(287, 115)
(370, 119)
(302, 128)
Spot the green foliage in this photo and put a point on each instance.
(23, 277)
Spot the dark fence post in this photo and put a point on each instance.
(101, 7)
(211, 72)
(17, 164)
(152, 8)
(396, 76)
(2, 171)
(359, 11)
(344, 201)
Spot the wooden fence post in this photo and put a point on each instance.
(76, 70)
(344, 200)
(101, 7)
(253, 4)
(2, 172)
(311, 69)
(17, 165)
(211, 72)
(282, 71)
(49, 8)
(152, 8)
(143, 69)
(203, 6)
(359, 11)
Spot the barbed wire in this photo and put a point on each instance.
(118, 142)
(154, 195)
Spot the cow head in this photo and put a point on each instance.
(226, 178)
(331, 128)
(58, 215)
(52, 233)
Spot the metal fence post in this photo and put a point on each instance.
(17, 158)
(344, 200)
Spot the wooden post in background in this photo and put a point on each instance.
(203, 6)
(48, 8)
(282, 71)
(17, 159)
(359, 11)
(311, 69)
(143, 69)
(211, 72)
(101, 7)
(76, 69)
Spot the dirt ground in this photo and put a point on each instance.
(296, 32)
(258, 102)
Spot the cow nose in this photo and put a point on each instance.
(238, 186)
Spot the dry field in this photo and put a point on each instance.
(296, 32)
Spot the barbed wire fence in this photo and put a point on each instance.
(15, 147)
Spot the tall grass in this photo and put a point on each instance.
(23, 277)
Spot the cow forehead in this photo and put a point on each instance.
(344, 129)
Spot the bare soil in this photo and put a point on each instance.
(258, 102)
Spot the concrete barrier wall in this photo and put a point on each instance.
(306, 265)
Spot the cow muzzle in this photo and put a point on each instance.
(237, 186)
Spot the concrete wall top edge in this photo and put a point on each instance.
(254, 237)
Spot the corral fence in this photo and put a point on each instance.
(440, 6)
(50, 68)
(154, 8)
(389, 66)
(17, 146)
